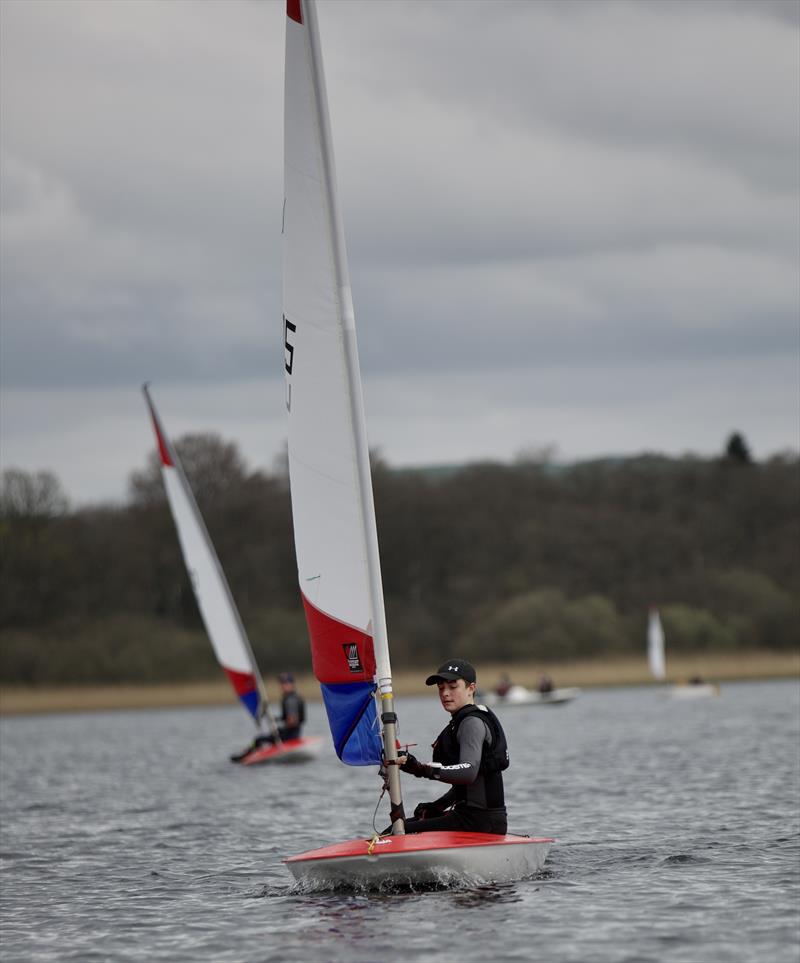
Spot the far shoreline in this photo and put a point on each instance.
(599, 673)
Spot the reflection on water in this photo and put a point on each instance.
(482, 896)
(129, 836)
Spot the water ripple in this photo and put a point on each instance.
(677, 827)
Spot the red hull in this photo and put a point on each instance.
(422, 858)
(418, 842)
(292, 750)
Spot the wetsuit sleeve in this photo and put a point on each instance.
(472, 733)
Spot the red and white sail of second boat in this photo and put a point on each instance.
(217, 609)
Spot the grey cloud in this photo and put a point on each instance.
(135, 189)
(670, 305)
(526, 187)
(715, 80)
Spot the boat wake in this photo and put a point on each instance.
(440, 880)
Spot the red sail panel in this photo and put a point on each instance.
(163, 447)
(339, 652)
(242, 682)
(294, 10)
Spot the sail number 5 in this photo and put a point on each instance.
(288, 328)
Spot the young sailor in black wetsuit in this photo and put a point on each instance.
(469, 754)
(293, 715)
(293, 709)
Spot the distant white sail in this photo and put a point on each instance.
(655, 645)
(217, 608)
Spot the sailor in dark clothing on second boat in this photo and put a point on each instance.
(293, 715)
(469, 754)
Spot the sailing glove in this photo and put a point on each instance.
(419, 769)
(428, 810)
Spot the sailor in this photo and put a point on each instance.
(545, 684)
(293, 715)
(293, 708)
(469, 755)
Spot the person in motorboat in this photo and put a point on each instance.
(503, 685)
(469, 754)
(545, 684)
(293, 715)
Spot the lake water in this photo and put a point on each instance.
(129, 836)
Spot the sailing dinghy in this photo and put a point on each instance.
(518, 695)
(333, 512)
(695, 688)
(218, 610)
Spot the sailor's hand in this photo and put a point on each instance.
(399, 760)
(416, 768)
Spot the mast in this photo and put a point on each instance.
(361, 449)
(230, 613)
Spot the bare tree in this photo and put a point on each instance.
(27, 495)
(213, 468)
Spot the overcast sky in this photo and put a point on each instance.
(569, 223)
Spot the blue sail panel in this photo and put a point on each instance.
(353, 722)
(252, 702)
(244, 685)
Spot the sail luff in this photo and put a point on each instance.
(172, 470)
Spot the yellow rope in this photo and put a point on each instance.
(372, 842)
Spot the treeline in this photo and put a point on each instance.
(522, 562)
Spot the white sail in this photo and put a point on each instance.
(332, 506)
(219, 613)
(325, 408)
(655, 645)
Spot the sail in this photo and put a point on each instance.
(332, 509)
(217, 608)
(655, 645)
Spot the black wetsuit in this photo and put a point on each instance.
(469, 754)
(292, 707)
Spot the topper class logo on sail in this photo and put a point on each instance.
(352, 656)
(288, 357)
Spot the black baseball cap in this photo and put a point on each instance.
(453, 669)
(286, 677)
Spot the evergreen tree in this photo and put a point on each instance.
(737, 449)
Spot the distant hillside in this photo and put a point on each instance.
(526, 561)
